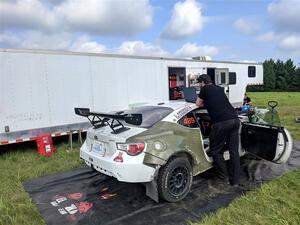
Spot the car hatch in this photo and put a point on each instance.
(104, 137)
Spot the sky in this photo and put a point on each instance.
(235, 30)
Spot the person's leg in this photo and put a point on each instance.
(234, 161)
(217, 141)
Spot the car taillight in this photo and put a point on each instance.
(131, 148)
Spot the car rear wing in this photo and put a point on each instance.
(98, 119)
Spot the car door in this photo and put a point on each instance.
(269, 142)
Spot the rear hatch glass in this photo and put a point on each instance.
(151, 114)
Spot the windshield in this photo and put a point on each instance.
(266, 116)
(151, 114)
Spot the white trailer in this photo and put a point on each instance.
(39, 89)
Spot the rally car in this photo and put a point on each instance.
(165, 145)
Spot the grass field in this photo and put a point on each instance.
(276, 202)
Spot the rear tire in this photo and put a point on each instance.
(175, 179)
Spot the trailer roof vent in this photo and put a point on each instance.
(202, 58)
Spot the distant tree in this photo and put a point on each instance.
(281, 74)
(297, 78)
(269, 74)
(290, 74)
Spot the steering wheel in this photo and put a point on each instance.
(272, 104)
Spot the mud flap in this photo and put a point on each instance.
(151, 190)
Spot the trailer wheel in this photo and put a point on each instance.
(175, 179)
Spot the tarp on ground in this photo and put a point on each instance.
(85, 197)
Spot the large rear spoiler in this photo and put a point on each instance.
(98, 119)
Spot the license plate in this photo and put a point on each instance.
(99, 147)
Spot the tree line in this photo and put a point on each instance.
(279, 76)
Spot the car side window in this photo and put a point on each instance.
(188, 121)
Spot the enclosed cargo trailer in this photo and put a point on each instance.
(39, 89)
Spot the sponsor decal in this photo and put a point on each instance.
(72, 206)
(83, 207)
(189, 121)
(182, 112)
(75, 196)
(107, 196)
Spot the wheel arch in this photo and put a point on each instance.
(183, 154)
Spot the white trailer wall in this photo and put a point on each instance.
(39, 89)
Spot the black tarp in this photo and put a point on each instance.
(85, 197)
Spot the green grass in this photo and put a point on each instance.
(276, 202)
(22, 164)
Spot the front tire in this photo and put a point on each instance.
(175, 179)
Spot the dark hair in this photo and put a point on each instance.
(205, 78)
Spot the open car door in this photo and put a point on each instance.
(265, 139)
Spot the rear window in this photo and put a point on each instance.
(151, 114)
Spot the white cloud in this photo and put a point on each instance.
(38, 40)
(186, 20)
(248, 61)
(107, 17)
(192, 49)
(70, 42)
(83, 44)
(140, 48)
(269, 36)
(30, 14)
(285, 15)
(290, 43)
(92, 16)
(246, 26)
(9, 39)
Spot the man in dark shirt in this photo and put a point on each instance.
(225, 128)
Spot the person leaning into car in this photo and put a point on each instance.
(225, 128)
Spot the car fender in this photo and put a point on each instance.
(166, 139)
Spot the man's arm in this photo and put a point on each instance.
(199, 102)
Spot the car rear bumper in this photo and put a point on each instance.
(130, 170)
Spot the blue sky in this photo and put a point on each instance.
(238, 30)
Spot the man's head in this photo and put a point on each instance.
(204, 79)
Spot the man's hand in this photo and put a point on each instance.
(199, 102)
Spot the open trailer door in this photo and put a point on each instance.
(264, 137)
